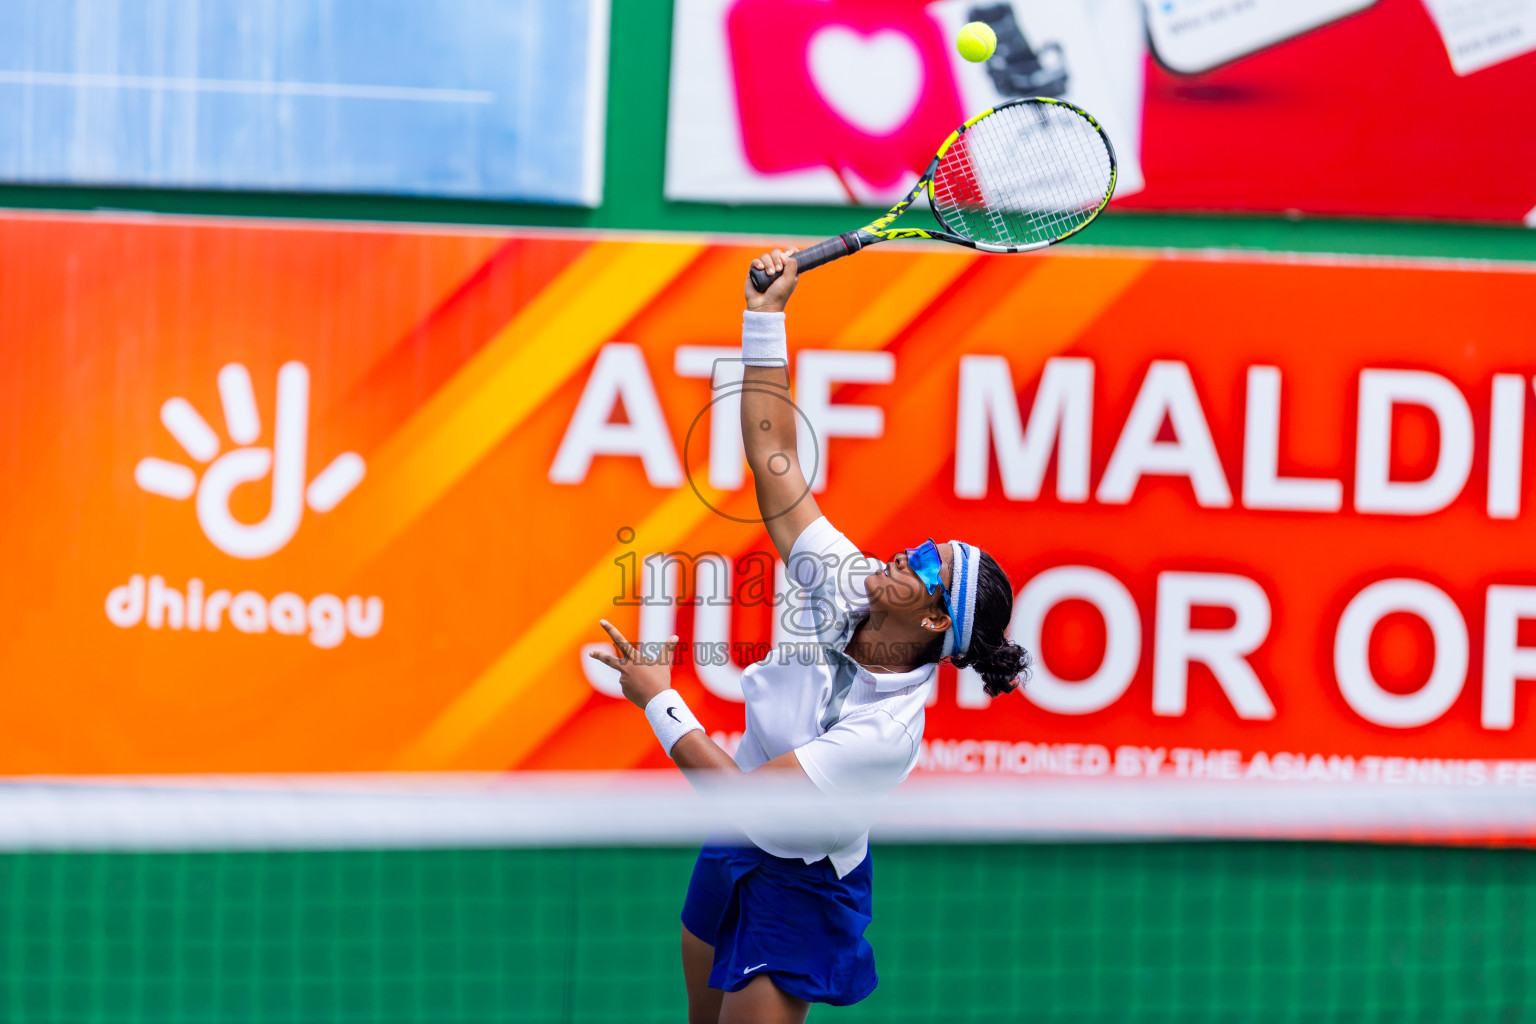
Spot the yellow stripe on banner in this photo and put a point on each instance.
(555, 634)
(458, 737)
(904, 299)
(1054, 305)
(504, 383)
(1057, 301)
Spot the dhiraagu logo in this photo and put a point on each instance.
(284, 461)
(326, 619)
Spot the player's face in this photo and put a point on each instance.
(897, 589)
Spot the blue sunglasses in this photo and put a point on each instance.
(926, 563)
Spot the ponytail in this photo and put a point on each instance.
(1002, 664)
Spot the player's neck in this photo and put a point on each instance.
(887, 646)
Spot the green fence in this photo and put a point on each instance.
(1125, 933)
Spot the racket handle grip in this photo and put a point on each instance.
(809, 259)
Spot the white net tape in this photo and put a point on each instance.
(658, 808)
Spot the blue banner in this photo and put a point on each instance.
(492, 99)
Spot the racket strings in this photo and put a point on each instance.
(1022, 175)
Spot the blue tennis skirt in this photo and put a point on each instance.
(796, 922)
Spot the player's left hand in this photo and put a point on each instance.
(641, 677)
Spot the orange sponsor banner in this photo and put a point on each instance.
(324, 499)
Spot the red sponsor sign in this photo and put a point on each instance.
(1364, 116)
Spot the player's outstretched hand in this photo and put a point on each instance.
(642, 678)
(781, 262)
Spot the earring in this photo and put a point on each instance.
(925, 622)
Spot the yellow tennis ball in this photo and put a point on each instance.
(976, 42)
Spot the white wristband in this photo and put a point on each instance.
(670, 718)
(763, 341)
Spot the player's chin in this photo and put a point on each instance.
(878, 589)
(889, 595)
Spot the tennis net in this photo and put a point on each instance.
(1181, 931)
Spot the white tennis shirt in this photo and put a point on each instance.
(855, 732)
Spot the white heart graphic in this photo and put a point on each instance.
(873, 82)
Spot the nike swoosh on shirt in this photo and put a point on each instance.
(749, 970)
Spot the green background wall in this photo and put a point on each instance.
(1136, 932)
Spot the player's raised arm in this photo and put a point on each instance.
(769, 419)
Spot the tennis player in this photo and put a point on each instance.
(771, 927)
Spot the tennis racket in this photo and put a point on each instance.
(1024, 175)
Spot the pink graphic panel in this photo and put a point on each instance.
(855, 85)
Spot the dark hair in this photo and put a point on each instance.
(1002, 664)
